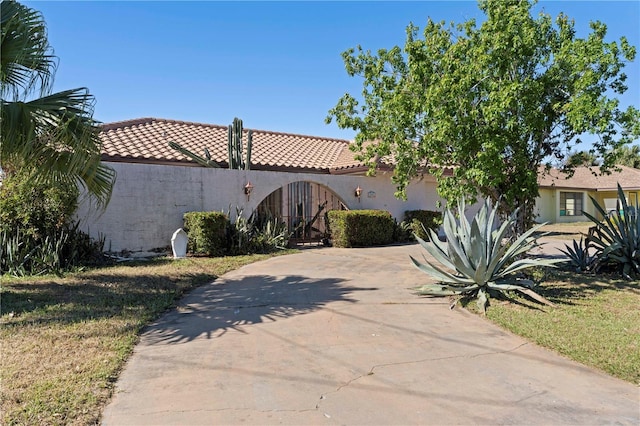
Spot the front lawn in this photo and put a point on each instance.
(65, 340)
(596, 321)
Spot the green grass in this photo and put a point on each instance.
(65, 340)
(596, 321)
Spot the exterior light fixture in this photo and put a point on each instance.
(247, 189)
(358, 192)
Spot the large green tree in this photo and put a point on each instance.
(489, 103)
(55, 133)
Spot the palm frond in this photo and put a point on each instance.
(27, 61)
(58, 134)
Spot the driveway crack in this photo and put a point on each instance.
(371, 371)
(213, 410)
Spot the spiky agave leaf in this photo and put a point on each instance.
(439, 274)
(437, 249)
(444, 290)
(522, 264)
(617, 238)
(477, 257)
(578, 255)
(522, 286)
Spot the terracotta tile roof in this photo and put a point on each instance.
(146, 140)
(585, 179)
(346, 160)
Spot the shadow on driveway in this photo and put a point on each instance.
(226, 304)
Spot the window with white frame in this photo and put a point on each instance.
(571, 203)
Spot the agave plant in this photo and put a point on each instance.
(617, 237)
(579, 256)
(483, 262)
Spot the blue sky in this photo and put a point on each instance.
(276, 65)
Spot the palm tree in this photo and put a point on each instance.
(54, 133)
(582, 158)
(629, 155)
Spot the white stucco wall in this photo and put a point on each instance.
(148, 201)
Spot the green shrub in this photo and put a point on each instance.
(402, 232)
(360, 228)
(36, 233)
(213, 234)
(422, 220)
(36, 208)
(207, 232)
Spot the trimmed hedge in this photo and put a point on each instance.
(419, 218)
(360, 228)
(207, 232)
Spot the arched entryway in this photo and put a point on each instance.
(302, 206)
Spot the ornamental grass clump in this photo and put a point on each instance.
(483, 262)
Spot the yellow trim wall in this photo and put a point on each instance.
(545, 206)
(548, 204)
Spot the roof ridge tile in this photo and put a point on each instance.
(125, 123)
(145, 120)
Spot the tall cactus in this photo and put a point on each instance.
(235, 148)
(205, 161)
(247, 164)
(234, 145)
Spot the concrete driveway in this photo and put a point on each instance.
(335, 336)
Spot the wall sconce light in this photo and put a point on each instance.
(358, 192)
(247, 189)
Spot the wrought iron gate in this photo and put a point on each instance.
(302, 209)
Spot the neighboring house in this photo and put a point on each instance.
(564, 200)
(293, 177)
